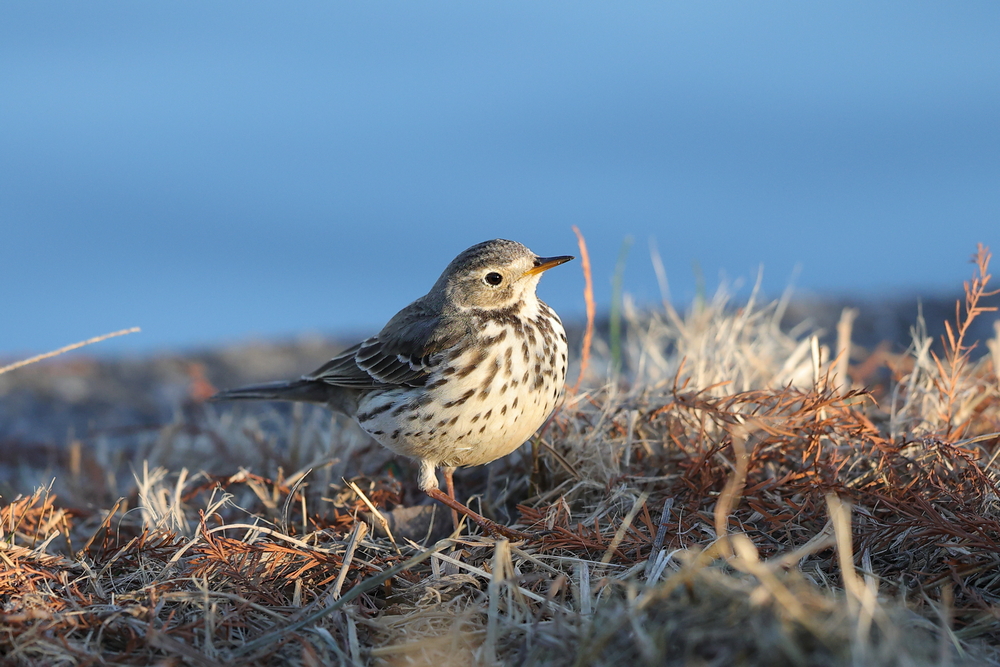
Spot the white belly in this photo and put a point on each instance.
(477, 407)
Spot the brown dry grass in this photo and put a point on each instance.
(726, 500)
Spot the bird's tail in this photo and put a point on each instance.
(308, 391)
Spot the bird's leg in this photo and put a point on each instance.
(449, 483)
(429, 485)
(491, 527)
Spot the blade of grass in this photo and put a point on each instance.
(617, 296)
(588, 298)
(68, 348)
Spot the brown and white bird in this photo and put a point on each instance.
(460, 377)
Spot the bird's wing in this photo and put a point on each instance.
(369, 364)
(403, 353)
(343, 371)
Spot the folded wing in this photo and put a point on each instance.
(369, 364)
(404, 353)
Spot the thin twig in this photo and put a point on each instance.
(68, 348)
(378, 516)
(661, 531)
(588, 298)
(360, 530)
(623, 528)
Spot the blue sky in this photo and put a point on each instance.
(214, 172)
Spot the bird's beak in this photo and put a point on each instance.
(546, 263)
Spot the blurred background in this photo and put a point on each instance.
(220, 172)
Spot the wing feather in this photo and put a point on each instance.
(343, 371)
(404, 353)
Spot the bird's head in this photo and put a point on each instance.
(494, 274)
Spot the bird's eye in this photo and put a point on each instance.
(493, 278)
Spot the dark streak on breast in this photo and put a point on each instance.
(374, 412)
(461, 399)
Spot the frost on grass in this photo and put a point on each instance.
(730, 495)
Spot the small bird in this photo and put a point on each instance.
(460, 377)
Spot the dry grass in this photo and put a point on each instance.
(65, 349)
(728, 498)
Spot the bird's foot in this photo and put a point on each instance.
(498, 530)
(493, 528)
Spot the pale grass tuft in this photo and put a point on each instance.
(718, 347)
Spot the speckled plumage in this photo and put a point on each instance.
(462, 376)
